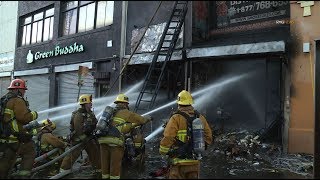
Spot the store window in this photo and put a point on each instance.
(81, 16)
(37, 27)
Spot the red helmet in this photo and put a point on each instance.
(18, 84)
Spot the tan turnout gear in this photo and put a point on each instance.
(111, 147)
(48, 142)
(19, 142)
(79, 118)
(176, 129)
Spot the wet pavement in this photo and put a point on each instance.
(263, 161)
(237, 155)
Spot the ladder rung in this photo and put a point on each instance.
(162, 54)
(172, 28)
(164, 49)
(148, 92)
(175, 20)
(151, 84)
(159, 69)
(144, 100)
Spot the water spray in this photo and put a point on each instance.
(199, 92)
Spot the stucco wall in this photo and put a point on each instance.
(303, 30)
(8, 19)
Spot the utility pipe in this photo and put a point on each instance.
(123, 38)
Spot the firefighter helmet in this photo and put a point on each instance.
(184, 98)
(47, 122)
(122, 98)
(85, 98)
(18, 84)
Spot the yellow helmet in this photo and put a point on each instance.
(48, 122)
(122, 98)
(184, 98)
(85, 98)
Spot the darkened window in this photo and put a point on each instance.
(81, 16)
(37, 27)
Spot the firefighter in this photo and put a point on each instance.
(14, 138)
(112, 145)
(82, 125)
(47, 142)
(176, 143)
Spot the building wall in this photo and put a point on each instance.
(8, 19)
(303, 30)
(94, 41)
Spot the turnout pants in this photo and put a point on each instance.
(8, 156)
(111, 159)
(92, 149)
(27, 151)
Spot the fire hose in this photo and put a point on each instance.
(59, 157)
(42, 157)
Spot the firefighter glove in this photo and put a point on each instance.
(148, 118)
(34, 115)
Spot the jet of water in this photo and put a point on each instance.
(127, 92)
(195, 94)
(199, 92)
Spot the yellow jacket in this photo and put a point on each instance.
(176, 128)
(17, 112)
(50, 141)
(124, 120)
(79, 118)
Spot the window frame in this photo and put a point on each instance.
(78, 7)
(23, 25)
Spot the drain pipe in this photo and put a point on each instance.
(123, 38)
(59, 157)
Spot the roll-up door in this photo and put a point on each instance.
(38, 94)
(68, 97)
(4, 84)
(68, 87)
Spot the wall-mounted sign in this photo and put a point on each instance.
(6, 61)
(212, 18)
(74, 48)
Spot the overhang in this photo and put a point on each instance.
(31, 72)
(231, 50)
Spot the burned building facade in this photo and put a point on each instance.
(232, 55)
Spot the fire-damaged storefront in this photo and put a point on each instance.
(231, 55)
(63, 54)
